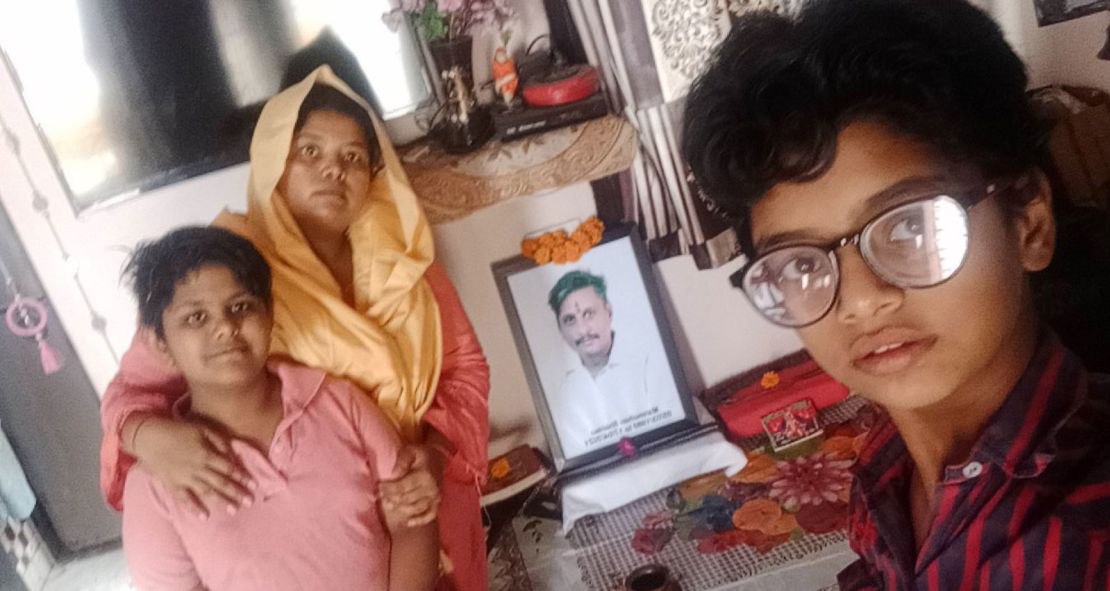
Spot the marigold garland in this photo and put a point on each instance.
(560, 247)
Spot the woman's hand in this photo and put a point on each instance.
(194, 462)
(413, 497)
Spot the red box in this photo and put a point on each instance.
(743, 409)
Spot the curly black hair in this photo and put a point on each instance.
(779, 89)
(155, 268)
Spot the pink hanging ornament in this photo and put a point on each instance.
(27, 318)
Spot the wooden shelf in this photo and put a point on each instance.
(452, 186)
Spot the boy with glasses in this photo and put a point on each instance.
(880, 156)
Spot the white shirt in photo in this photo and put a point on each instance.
(635, 392)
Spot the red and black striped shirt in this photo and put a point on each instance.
(1030, 509)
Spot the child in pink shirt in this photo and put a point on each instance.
(314, 446)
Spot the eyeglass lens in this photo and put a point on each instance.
(919, 244)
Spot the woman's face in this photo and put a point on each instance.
(327, 173)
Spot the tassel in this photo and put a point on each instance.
(51, 360)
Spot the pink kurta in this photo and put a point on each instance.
(459, 411)
(315, 523)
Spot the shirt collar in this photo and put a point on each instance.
(1019, 437)
(299, 386)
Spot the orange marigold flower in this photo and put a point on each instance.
(528, 247)
(543, 255)
(769, 380)
(500, 468)
(559, 253)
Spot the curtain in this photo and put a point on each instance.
(648, 53)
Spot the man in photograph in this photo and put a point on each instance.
(617, 389)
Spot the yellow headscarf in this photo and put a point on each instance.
(390, 342)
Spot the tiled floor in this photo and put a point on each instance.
(101, 572)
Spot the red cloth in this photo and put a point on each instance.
(743, 410)
(459, 411)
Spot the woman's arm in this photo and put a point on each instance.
(459, 415)
(192, 460)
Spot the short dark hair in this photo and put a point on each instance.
(155, 268)
(323, 97)
(572, 282)
(779, 89)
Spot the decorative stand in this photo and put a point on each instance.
(464, 125)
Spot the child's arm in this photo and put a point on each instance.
(414, 550)
(414, 554)
(188, 459)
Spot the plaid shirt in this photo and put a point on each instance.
(1030, 509)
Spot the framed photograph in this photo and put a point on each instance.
(1050, 12)
(597, 351)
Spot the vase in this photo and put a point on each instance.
(463, 124)
(451, 53)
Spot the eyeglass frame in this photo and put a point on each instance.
(830, 248)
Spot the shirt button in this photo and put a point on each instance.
(973, 469)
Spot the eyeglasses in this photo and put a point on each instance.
(918, 244)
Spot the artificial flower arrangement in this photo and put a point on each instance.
(446, 20)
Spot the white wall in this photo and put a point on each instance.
(1063, 53)
(717, 332)
(98, 240)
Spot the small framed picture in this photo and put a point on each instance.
(792, 424)
(1050, 12)
(597, 351)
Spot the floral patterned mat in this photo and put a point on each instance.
(778, 524)
(778, 496)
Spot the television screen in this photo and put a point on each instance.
(133, 95)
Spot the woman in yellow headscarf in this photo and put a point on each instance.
(356, 293)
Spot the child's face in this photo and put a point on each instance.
(910, 348)
(216, 332)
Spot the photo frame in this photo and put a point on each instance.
(1050, 12)
(597, 352)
